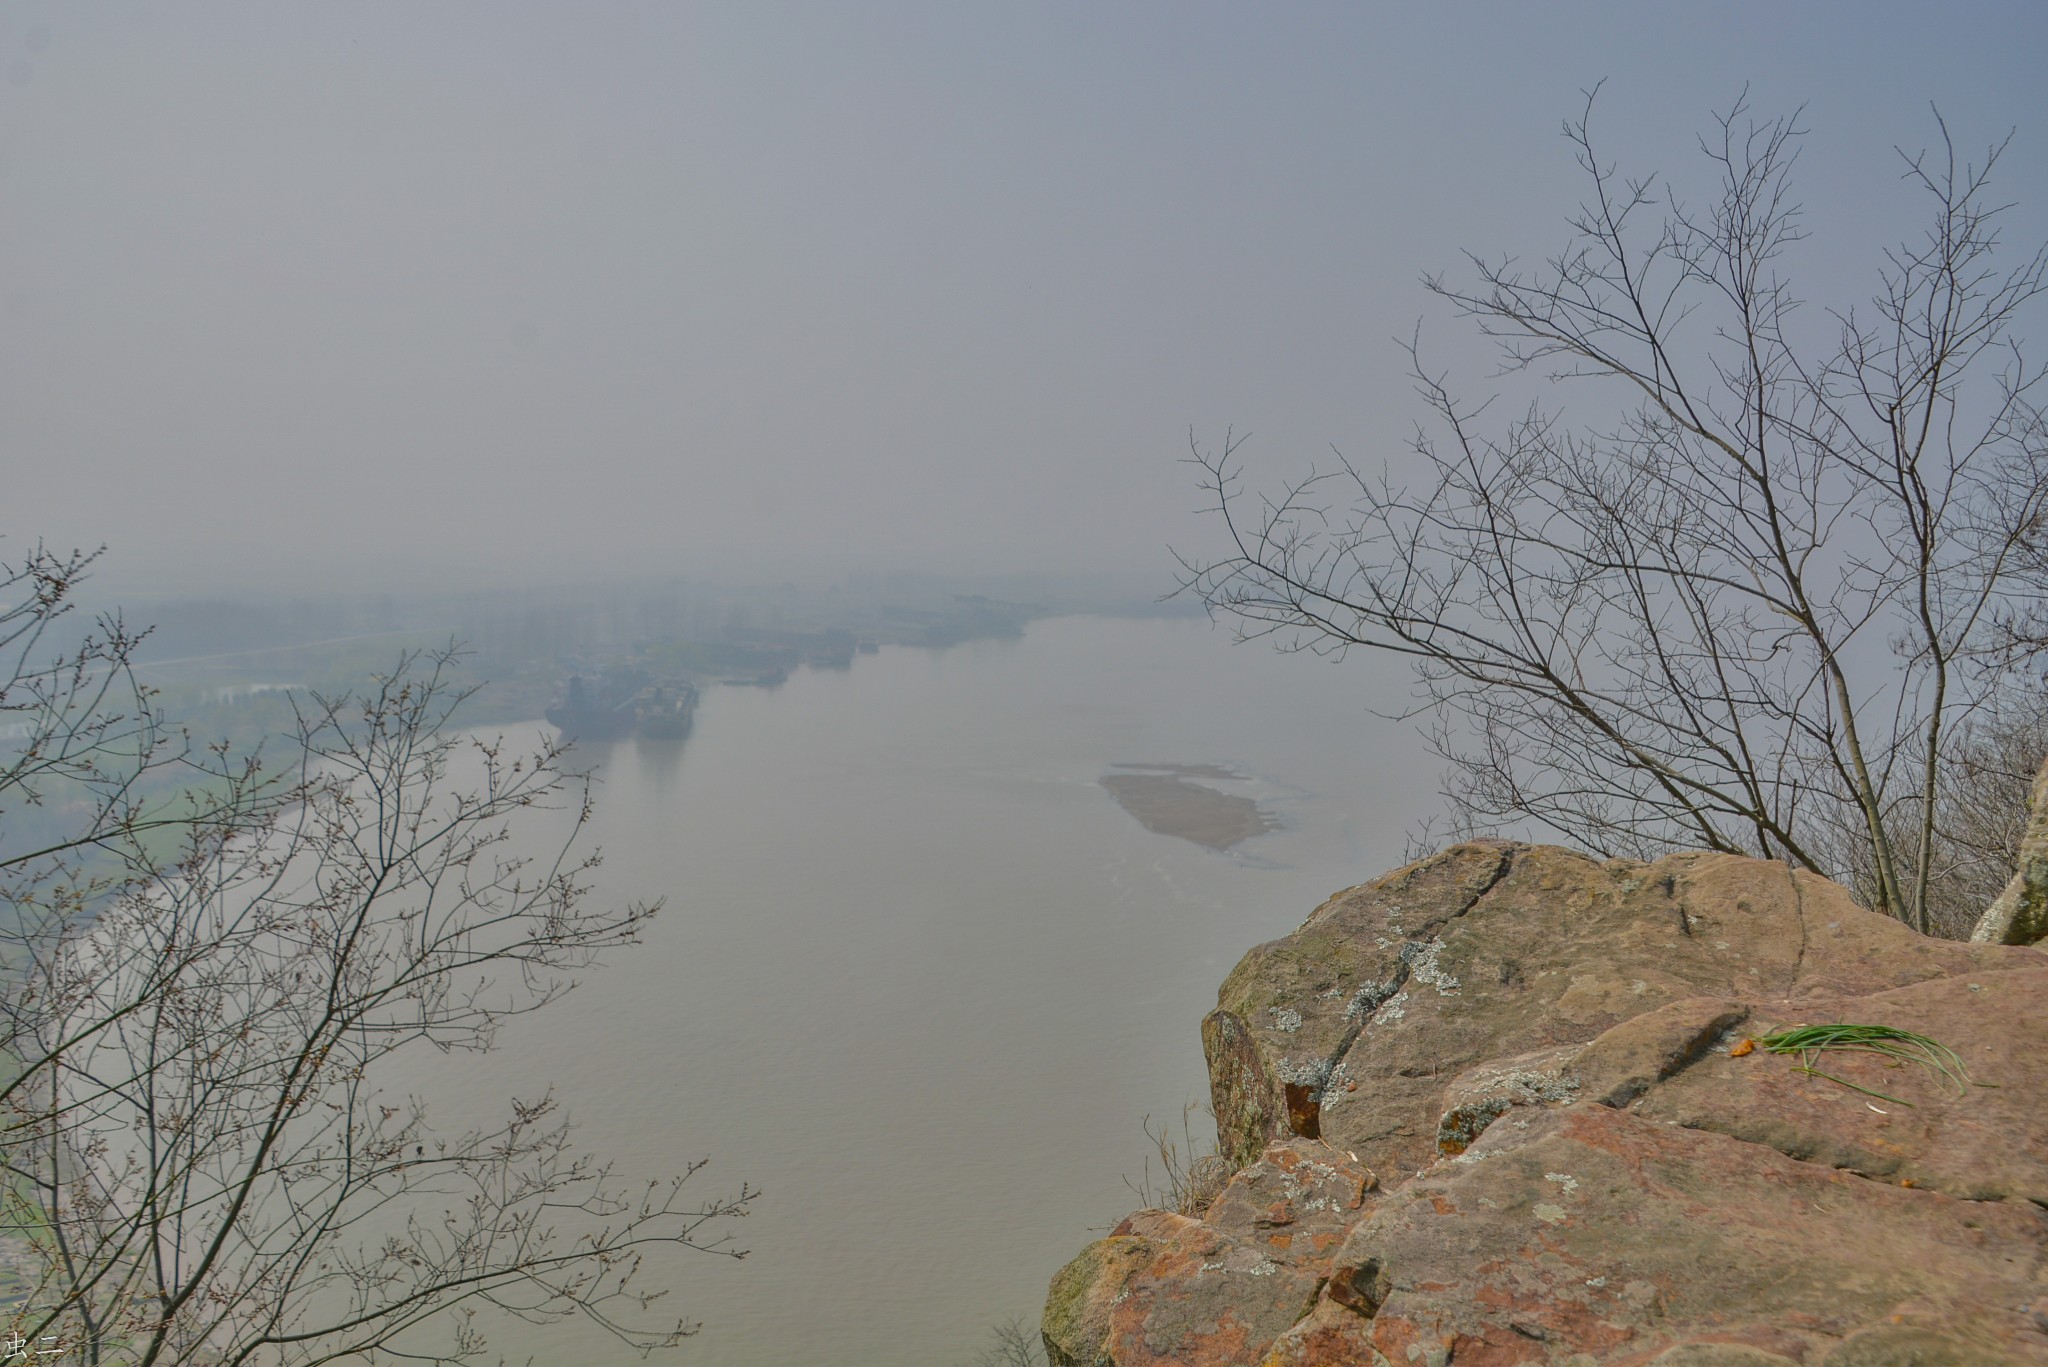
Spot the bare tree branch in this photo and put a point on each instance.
(205, 992)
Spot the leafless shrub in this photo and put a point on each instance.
(1980, 814)
(1193, 1172)
(1012, 1345)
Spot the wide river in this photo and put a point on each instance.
(921, 979)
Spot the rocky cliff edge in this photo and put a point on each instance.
(1494, 1108)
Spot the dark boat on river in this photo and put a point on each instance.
(666, 711)
(591, 710)
(608, 708)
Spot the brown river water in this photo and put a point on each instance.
(921, 979)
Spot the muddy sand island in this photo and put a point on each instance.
(1166, 801)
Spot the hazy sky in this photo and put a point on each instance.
(352, 293)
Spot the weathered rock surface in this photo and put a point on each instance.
(1531, 1050)
(1164, 1288)
(1587, 1230)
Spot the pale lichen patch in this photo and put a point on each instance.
(1424, 968)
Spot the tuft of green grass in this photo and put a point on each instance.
(1809, 1042)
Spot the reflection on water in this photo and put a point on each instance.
(661, 762)
(921, 979)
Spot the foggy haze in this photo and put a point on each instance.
(754, 438)
(368, 295)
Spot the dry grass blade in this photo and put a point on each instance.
(1195, 1175)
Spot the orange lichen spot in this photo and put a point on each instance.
(1907, 1182)
(1748, 1046)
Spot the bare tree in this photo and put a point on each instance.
(1757, 607)
(206, 985)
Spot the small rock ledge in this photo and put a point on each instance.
(1485, 1113)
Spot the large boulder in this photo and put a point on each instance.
(1350, 1028)
(1536, 1053)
